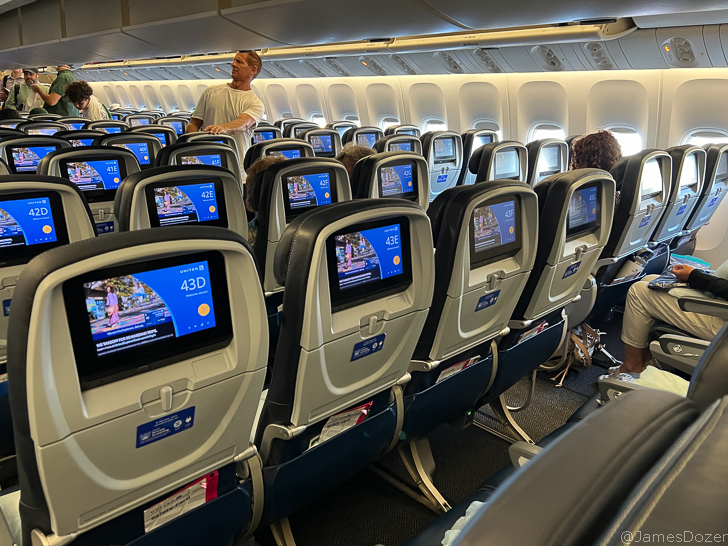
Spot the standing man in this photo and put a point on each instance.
(232, 108)
(56, 101)
(22, 97)
(10, 81)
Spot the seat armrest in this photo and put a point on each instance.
(680, 352)
(609, 389)
(704, 306)
(522, 452)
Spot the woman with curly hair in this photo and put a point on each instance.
(598, 150)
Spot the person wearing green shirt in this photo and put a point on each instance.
(22, 97)
(55, 99)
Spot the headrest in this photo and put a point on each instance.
(709, 381)
(629, 186)
(299, 240)
(164, 157)
(364, 173)
(125, 192)
(600, 459)
(257, 151)
(452, 203)
(483, 156)
(382, 144)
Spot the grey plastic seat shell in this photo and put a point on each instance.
(276, 209)
(79, 226)
(51, 165)
(636, 218)
(131, 206)
(443, 173)
(683, 197)
(327, 337)
(461, 323)
(207, 148)
(566, 261)
(536, 155)
(483, 161)
(79, 441)
(600, 459)
(715, 187)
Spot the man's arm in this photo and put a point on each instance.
(194, 125)
(51, 98)
(239, 124)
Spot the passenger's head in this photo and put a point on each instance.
(10, 113)
(598, 150)
(30, 75)
(37, 111)
(350, 154)
(251, 182)
(79, 93)
(63, 67)
(16, 73)
(246, 66)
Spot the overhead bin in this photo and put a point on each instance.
(282, 21)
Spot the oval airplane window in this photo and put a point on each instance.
(318, 119)
(433, 125)
(630, 140)
(539, 131)
(701, 137)
(386, 122)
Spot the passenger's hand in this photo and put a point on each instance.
(215, 129)
(35, 87)
(682, 272)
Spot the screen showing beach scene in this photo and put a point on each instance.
(494, 225)
(366, 256)
(146, 307)
(186, 204)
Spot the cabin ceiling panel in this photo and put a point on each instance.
(199, 33)
(304, 22)
(488, 15)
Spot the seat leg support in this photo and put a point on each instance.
(416, 457)
(500, 408)
(282, 532)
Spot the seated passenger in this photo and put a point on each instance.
(82, 97)
(598, 150)
(22, 97)
(10, 113)
(350, 154)
(645, 305)
(251, 183)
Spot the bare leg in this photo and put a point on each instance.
(634, 359)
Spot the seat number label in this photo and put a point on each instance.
(162, 428)
(368, 347)
(6, 307)
(488, 300)
(571, 270)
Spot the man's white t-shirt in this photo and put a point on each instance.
(95, 110)
(222, 104)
